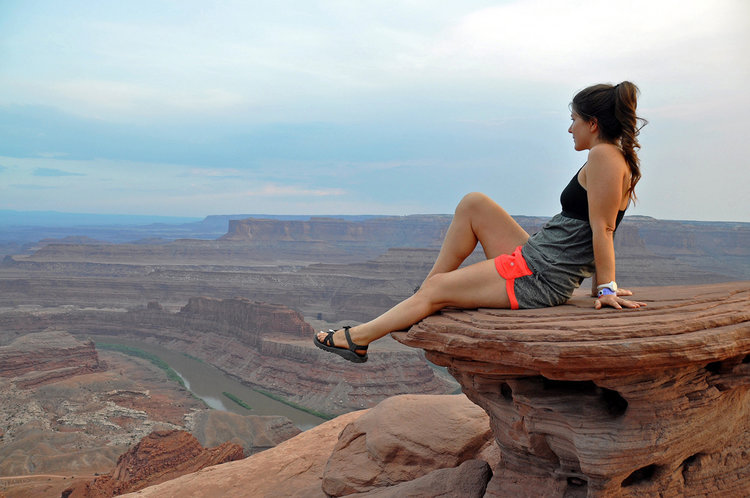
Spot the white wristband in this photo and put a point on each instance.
(611, 286)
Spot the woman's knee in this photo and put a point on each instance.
(432, 290)
(473, 203)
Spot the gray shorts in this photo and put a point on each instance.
(547, 269)
(538, 291)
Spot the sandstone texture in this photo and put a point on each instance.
(159, 457)
(468, 480)
(646, 402)
(408, 445)
(293, 468)
(390, 444)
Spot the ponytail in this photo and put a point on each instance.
(614, 108)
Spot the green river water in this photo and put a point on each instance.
(209, 383)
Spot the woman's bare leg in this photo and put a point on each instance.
(477, 285)
(477, 219)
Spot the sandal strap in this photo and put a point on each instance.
(328, 339)
(353, 347)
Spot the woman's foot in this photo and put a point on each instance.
(340, 342)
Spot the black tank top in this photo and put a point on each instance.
(575, 201)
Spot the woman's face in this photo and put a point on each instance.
(584, 132)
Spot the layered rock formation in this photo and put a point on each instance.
(416, 231)
(653, 401)
(76, 416)
(254, 320)
(333, 269)
(270, 346)
(159, 457)
(62, 423)
(409, 445)
(254, 433)
(265, 345)
(34, 360)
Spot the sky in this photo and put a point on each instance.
(194, 108)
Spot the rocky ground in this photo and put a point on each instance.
(70, 425)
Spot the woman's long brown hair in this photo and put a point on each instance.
(614, 108)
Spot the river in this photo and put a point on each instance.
(209, 383)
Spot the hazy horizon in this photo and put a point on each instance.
(68, 219)
(381, 108)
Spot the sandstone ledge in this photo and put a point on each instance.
(680, 326)
(653, 401)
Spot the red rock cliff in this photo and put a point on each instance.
(36, 359)
(251, 319)
(159, 457)
(420, 231)
(646, 402)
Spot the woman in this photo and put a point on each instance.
(542, 270)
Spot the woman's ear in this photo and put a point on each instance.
(594, 125)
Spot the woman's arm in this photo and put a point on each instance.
(606, 171)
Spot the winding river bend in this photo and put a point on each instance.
(209, 383)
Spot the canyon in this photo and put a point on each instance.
(68, 410)
(247, 301)
(658, 406)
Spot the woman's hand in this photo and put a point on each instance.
(615, 301)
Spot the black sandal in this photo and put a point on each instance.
(348, 354)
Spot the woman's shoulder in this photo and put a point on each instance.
(607, 156)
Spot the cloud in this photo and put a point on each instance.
(275, 190)
(25, 186)
(215, 172)
(54, 172)
(52, 155)
(3, 168)
(548, 39)
(118, 97)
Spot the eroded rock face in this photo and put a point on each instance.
(253, 318)
(265, 345)
(293, 468)
(253, 433)
(654, 401)
(159, 457)
(80, 424)
(404, 438)
(468, 480)
(37, 359)
(420, 231)
(409, 445)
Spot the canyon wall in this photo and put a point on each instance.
(67, 411)
(264, 345)
(158, 457)
(34, 360)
